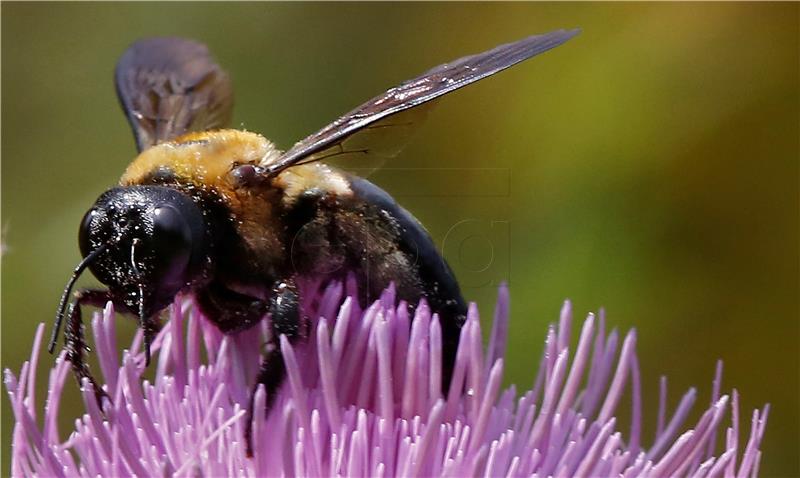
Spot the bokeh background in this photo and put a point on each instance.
(649, 166)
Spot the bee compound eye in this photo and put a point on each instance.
(168, 247)
(171, 232)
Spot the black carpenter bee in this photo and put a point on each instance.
(224, 215)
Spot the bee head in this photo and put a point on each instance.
(150, 243)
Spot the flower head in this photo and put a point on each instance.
(363, 398)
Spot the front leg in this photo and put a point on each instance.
(284, 309)
(75, 343)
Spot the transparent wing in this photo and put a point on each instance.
(366, 151)
(380, 126)
(171, 86)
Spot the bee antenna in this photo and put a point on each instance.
(144, 324)
(62, 305)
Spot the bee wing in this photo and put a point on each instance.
(365, 130)
(171, 86)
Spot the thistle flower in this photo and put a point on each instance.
(363, 398)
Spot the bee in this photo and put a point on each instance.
(225, 215)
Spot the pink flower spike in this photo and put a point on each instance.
(363, 397)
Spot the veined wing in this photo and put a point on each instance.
(381, 125)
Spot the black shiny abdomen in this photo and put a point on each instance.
(438, 284)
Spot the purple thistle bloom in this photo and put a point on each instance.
(363, 398)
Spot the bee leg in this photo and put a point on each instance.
(284, 311)
(75, 342)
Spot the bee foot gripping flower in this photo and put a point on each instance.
(363, 398)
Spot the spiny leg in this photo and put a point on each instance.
(74, 339)
(271, 375)
(284, 308)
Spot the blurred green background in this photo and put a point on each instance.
(648, 166)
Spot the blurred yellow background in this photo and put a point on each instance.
(648, 166)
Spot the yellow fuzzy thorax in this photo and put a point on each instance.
(206, 159)
(203, 158)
